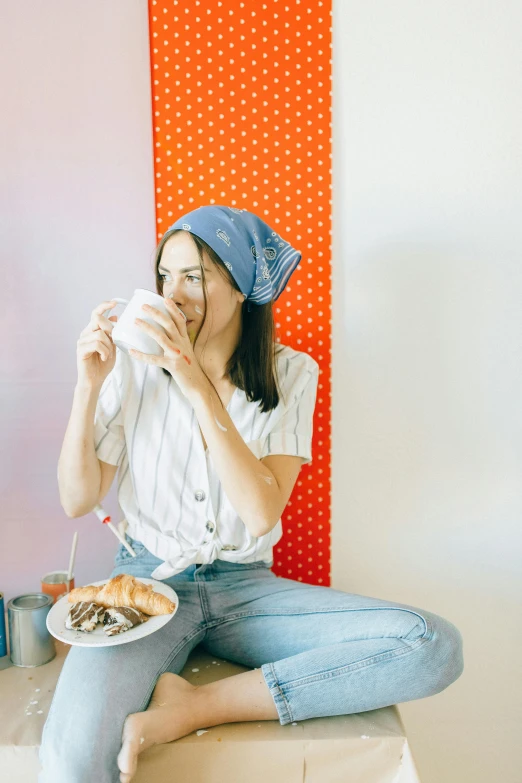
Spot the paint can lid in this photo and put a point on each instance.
(29, 601)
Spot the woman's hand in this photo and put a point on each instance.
(178, 357)
(95, 351)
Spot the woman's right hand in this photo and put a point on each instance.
(96, 353)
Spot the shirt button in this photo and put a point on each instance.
(199, 495)
(210, 527)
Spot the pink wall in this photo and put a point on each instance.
(77, 202)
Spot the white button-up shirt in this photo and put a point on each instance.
(168, 488)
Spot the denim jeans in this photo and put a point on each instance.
(321, 651)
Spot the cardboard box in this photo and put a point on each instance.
(367, 747)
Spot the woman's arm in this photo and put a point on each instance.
(79, 472)
(258, 495)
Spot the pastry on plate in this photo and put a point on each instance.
(124, 590)
(84, 616)
(122, 618)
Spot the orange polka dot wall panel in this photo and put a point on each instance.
(241, 111)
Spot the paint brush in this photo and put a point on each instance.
(105, 518)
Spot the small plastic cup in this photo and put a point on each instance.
(55, 584)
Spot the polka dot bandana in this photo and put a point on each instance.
(258, 259)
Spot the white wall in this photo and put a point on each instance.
(427, 381)
(77, 228)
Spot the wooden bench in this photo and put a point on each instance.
(367, 747)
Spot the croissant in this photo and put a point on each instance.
(124, 590)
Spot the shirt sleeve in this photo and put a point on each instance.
(292, 432)
(109, 435)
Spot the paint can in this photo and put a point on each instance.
(56, 584)
(30, 642)
(3, 639)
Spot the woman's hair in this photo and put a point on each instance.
(252, 367)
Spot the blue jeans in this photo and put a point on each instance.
(321, 651)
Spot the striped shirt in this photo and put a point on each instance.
(168, 488)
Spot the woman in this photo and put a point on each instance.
(209, 440)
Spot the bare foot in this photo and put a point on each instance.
(168, 717)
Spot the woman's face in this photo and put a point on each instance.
(180, 273)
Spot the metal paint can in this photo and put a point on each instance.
(30, 642)
(3, 639)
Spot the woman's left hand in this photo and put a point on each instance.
(178, 358)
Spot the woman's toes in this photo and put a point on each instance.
(168, 717)
(132, 743)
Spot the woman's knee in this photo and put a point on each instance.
(446, 653)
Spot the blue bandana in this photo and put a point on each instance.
(258, 259)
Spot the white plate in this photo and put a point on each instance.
(98, 638)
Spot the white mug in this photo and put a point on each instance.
(126, 334)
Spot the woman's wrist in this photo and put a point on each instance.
(202, 394)
(87, 390)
